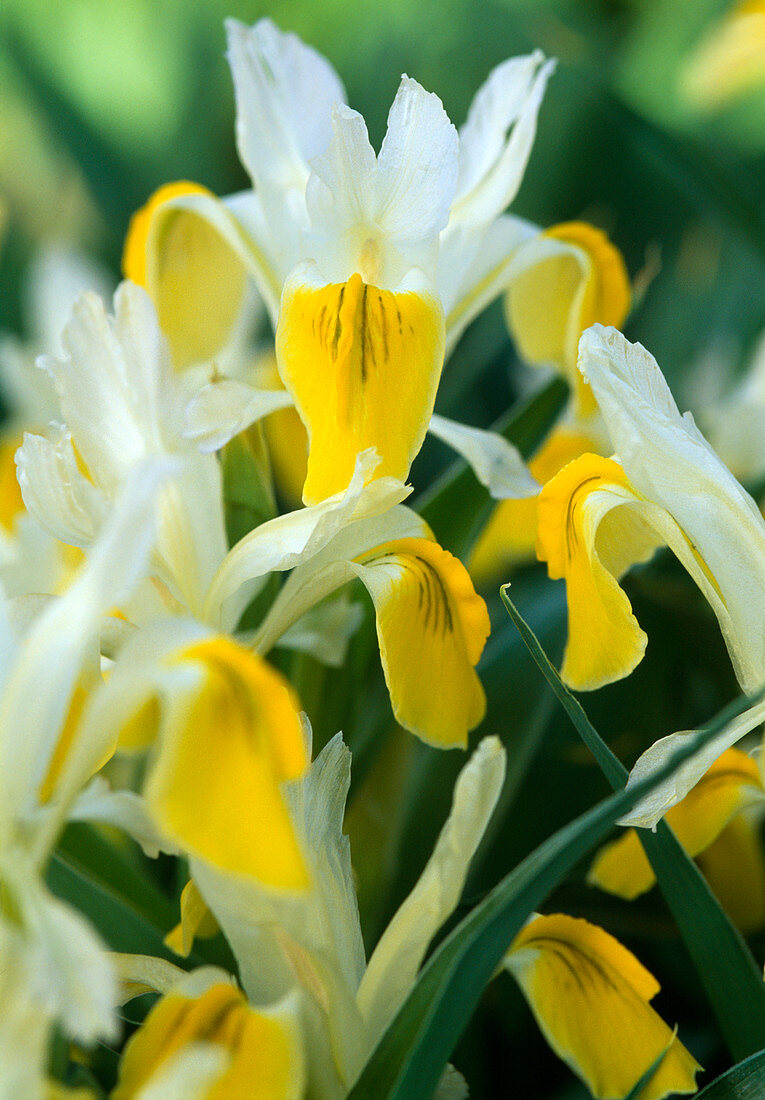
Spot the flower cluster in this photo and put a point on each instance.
(189, 516)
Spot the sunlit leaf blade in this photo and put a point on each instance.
(725, 965)
(409, 1060)
(746, 1081)
(456, 506)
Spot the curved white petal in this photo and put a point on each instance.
(393, 967)
(220, 410)
(652, 808)
(669, 462)
(325, 631)
(496, 463)
(126, 810)
(286, 541)
(60, 498)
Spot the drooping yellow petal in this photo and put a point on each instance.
(734, 867)
(510, 536)
(363, 366)
(224, 752)
(266, 1060)
(286, 438)
(728, 787)
(590, 997)
(193, 276)
(553, 301)
(432, 628)
(605, 642)
(196, 920)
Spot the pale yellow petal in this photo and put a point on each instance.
(730, 60)
(362, 365)
(224, 753)
(734, 867)
(590, 996)
(728, 787)
(432, 628)
(192, 274)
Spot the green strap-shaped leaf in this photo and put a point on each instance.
(410, 1058)
(746, 1081)
(456, 506)
(728, 972)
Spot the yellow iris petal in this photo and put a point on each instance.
(11, 502)
(730, 61)
(510, 535)
(265, 1059)
(432, 628)
(215, 785)
(605, 642)
(196, 920)
(734, 867)
(590, 997)
(363, 366)
(727, 788)
(551, 303)
(194, 278)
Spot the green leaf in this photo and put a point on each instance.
(728, 972)
(456, 506)
(746, 1081)
(410, 1058)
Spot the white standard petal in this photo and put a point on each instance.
(221, 410)
(124, 809)
(285, 92)
(496, 463)
(417, 166)
(669, 462)
(396, 960)
(496, 140)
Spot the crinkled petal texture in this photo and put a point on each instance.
(432, 628)
(560, 291)
(590, 996)
(510, 536)
(225, 748)
(363, 366)
(191, 272)
(589, 533)
(264, 1058)
(730, 786)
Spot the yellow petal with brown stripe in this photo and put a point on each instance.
(552, 302)
(590, 997)
(510, 536)
(362, 365)
(728, 787)
(605, 641)
(432, 628)
(224, 753)
(265, 1057)
(193, 276)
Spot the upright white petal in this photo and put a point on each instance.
(497, 137)
(417, 166)
(285, 92)
(394, 964)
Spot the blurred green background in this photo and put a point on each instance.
(101, 103)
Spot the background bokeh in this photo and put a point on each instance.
(101, 103)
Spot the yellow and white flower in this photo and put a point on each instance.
(370, 266)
